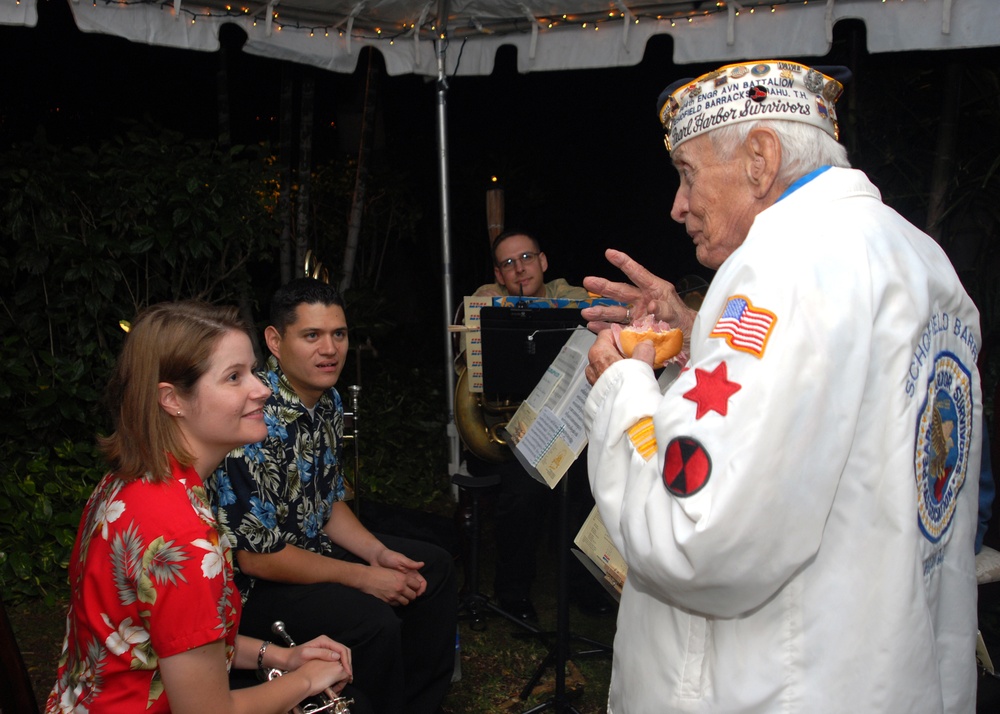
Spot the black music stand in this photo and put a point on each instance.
(531, 338)
(518, 343)
(558, 655)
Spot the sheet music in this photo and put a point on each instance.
(595, 542)
(547, 430)
(539, 438)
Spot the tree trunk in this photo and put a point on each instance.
(361, 178)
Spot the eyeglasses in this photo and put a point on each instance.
(524, 258)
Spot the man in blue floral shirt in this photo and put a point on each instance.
(302, 556)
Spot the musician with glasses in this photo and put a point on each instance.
(302, 556)
(519, 265)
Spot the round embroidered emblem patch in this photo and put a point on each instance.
(686, 467)
(943, 443)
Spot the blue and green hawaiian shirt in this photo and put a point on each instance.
(281, 490)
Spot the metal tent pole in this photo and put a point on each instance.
(454, 448)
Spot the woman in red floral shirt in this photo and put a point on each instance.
(153, 613)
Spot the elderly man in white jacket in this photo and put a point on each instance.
(798, 508)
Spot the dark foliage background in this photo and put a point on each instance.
(91, 234)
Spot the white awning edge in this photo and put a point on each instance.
(791, 30)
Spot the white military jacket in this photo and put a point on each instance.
(798, 509)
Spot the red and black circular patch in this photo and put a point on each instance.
(686, 467)
(757, 93)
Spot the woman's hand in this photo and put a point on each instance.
(322, 677)
(321, 648)
(196, 680)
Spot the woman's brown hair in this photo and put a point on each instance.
(168, 342)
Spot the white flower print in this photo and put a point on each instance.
(124, 636)
(108, 512)
(215, 558)
(68, 701)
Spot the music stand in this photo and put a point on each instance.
(531, 339)
(518, 345)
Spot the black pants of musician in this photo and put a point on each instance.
(402, 656)
(525, 510)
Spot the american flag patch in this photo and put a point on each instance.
(745, 327)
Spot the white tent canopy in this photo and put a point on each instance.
(548, 34)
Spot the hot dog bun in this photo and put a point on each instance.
(666, 340)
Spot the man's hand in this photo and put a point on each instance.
(394, 578)
(648, 295)
(604, 353)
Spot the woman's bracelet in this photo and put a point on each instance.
(260, 655)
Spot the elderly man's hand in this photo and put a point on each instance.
(604, 353)
(647, 295)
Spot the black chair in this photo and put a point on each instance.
(473, 605)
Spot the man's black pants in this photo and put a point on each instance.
(402, 656)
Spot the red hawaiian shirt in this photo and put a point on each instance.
(150, 577)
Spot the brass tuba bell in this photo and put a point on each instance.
(480, 422)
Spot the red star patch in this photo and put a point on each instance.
(713, 391)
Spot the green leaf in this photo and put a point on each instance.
(181, 216)
(141, 245)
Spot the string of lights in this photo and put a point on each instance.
(286, 18)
